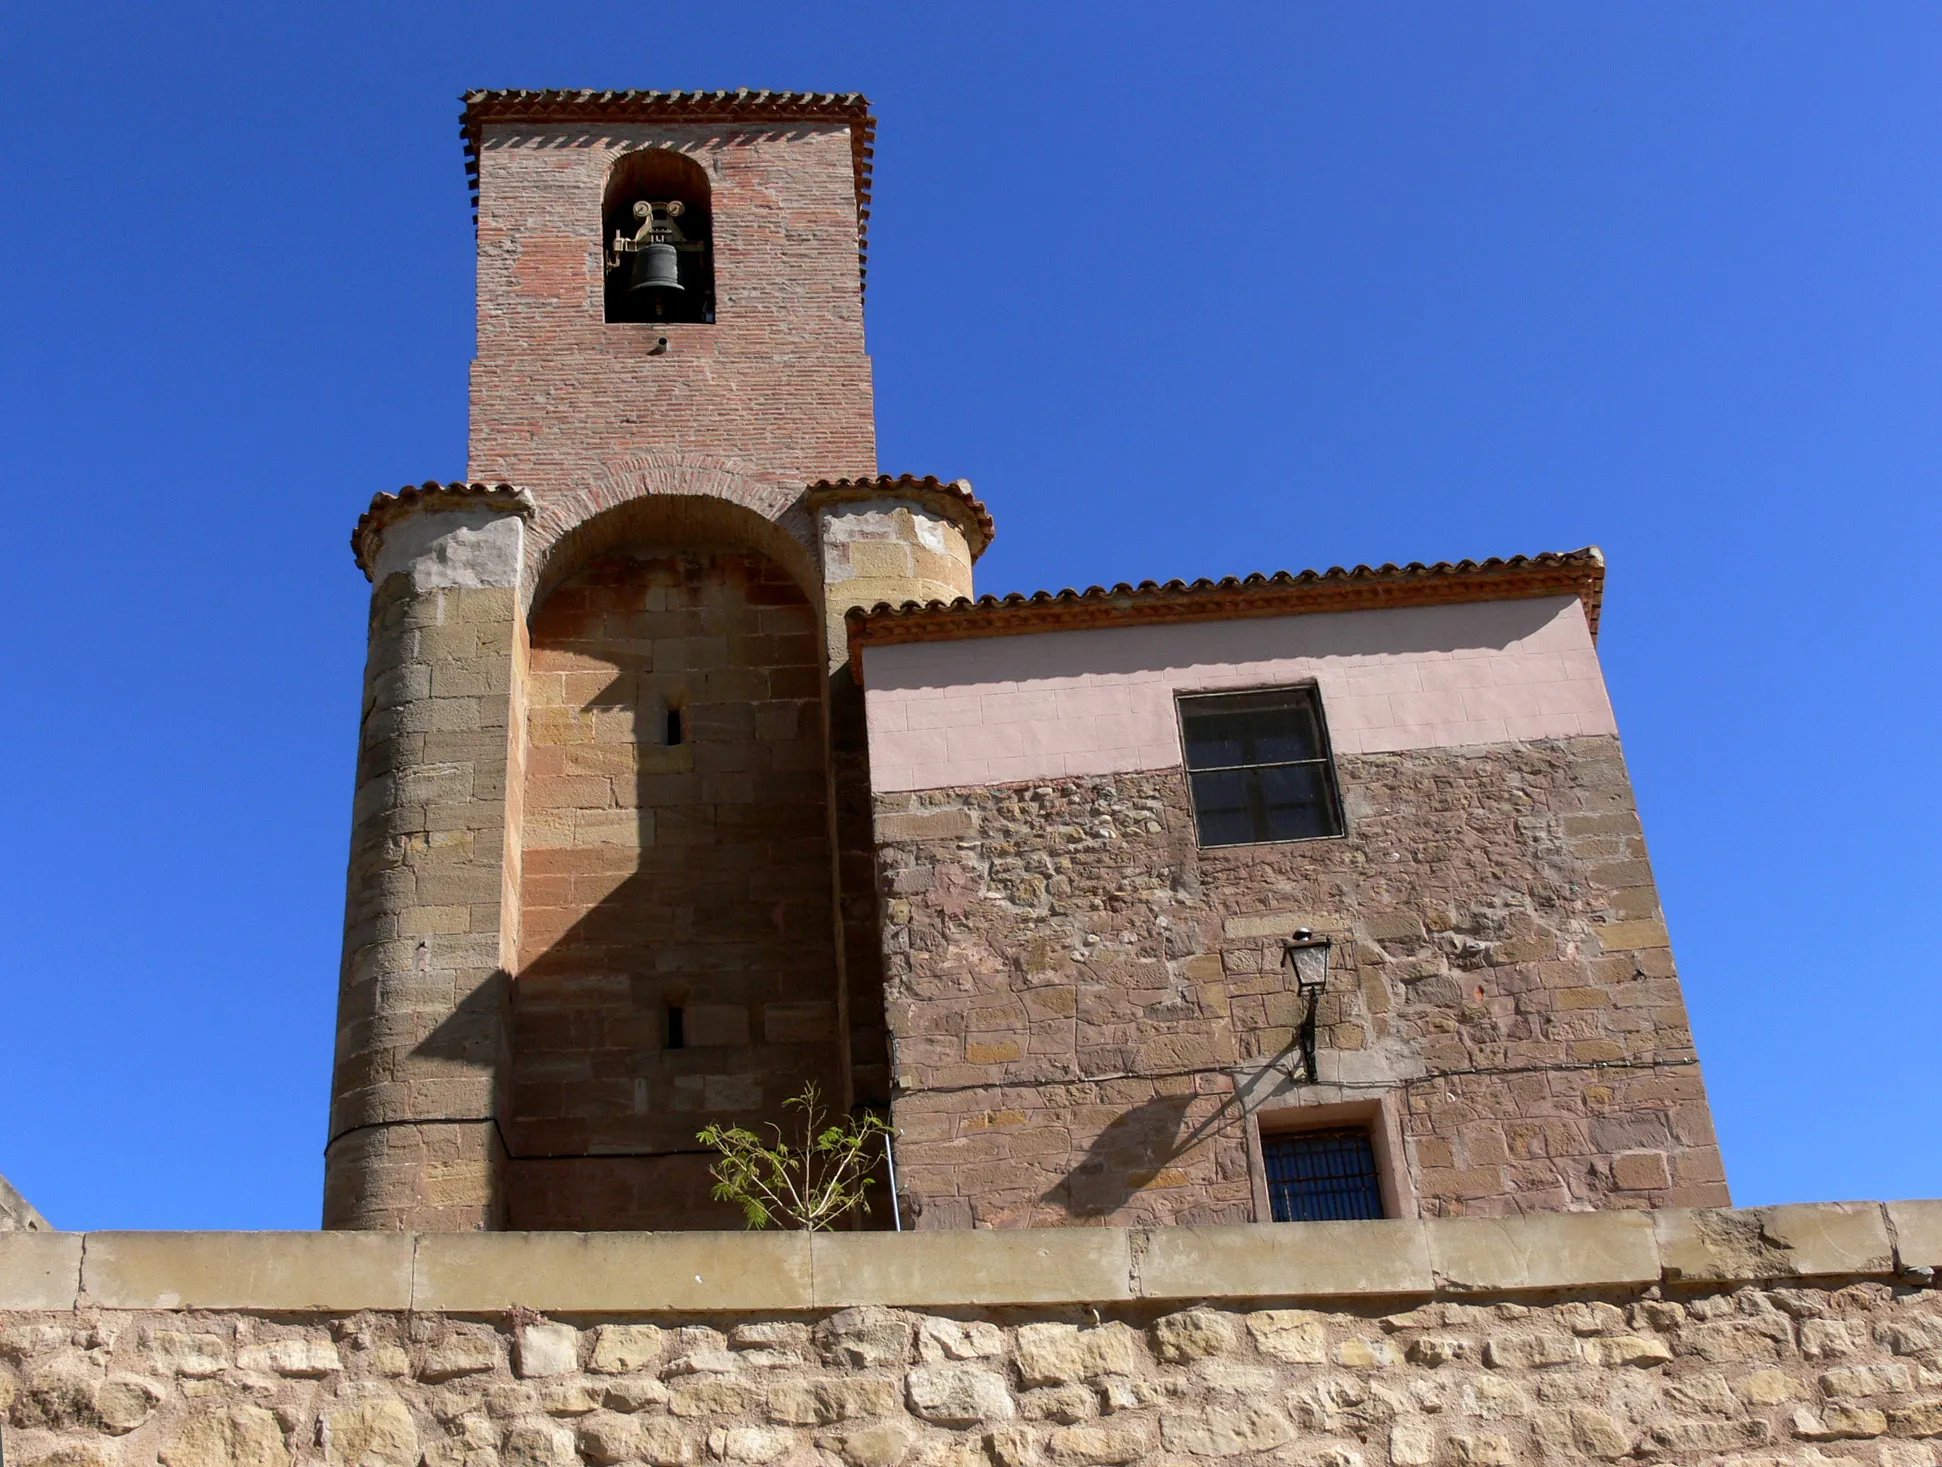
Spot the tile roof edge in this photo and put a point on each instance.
(1358, 588)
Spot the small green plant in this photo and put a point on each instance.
(807, 1181)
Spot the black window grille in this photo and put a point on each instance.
(1322, 1176)
(1260, 767)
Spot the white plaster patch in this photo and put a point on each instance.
(467, 549)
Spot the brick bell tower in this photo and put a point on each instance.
(610, 872)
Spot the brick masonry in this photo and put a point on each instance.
(780, 382)
(1089, 1013)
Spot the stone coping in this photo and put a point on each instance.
(685, 1273)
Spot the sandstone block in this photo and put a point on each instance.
(1358, 1352)
(612, 1273)
(1802, 1240)
(378, 1432)
(951, 1339)
(712, 1395)
(749, 1443)
(216, 1435)
(1068, 1405)
(1866, 1380)
(266, 1271)
(560, 1397)
(1296, 1336)
(460, 1353)
(957, 1395)
(820, 1402)
(547, 1350)
(534, 1441)
(1918, 1418)
(1225, 1431)
(1056, 1354)
(623, 1349)
(1411, 1444)
(606, 1437)
(1286, 1260)
(1709, 1436)
(124, 1402)
(1543, 1351)
(1193, 1334)
(39, 1270)
(1481, 1449)
(305, 1359)
(881, 1444)
(1918, 1233)
(1115, 1442)
(1544, 1250)
(863, 1338)
(664, 1443)
(1000, 1266)
(194, 1354)
(634, 1393)
(1627, 1350)
(1767, 1388)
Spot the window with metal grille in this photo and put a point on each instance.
(1259, 766)
(1321, 1176)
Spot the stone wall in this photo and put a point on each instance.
(1089, 1013)
(693, 875)
(1787, 1335)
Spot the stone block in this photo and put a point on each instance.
(1285, 1260)
(611, 1273)
(39, 1270)
(1917, 1226)
(338, 1271)
(998, 1266)
(1543, 1250)
(925, 825)
(1802, 1240)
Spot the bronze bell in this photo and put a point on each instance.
(654, 268)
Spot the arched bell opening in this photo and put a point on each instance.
(657, 233)
(678, 962)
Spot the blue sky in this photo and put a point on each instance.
(1183, 290)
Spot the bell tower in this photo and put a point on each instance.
(751, 355)
(611, 875)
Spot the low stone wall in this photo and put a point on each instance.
(1792, 1334)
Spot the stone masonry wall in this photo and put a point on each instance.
(1086, 1008)
(694, 874)
(1832, 1368)
(420, 1018)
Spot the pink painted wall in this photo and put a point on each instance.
(1002, 710)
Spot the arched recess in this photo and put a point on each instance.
(658, 196)
(678, 957)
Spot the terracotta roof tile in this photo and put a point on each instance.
(742, 106)
(1579, 573)
(430, 495)
(953, 497)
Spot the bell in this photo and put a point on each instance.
(654, 268)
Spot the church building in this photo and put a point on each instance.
(693, 770)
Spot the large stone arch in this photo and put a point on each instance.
(672, 498)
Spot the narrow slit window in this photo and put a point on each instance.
(1259, 767)
(677, 1027)
(1322, 1176)
(675, 732)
